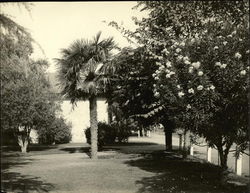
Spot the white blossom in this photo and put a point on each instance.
(229, 36)
(181, 94)
(247, 52)
(216, 47)
(191, 69)
(186, 58)
(168, 64)
(243, 72)
(223, 66)
(178, 86)
(212, 87)
(237, 55)
(187, 62)
(190, 90)
(168, 75)
(225, 43)
(182, 44)
(200, 73)
(200, 87)
(179, 57)
(157, 94)
(217, 64)
(189, 106)
(178, 50)
(196, 64)
(158, 63)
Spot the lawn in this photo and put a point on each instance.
(127, 168)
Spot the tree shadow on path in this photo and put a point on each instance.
(17, 182)
(174, 174)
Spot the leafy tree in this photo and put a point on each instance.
(25, 94)
(83, 75)
(202, 50)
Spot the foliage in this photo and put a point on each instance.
(25, 95)
(82, 67)
(201, 52)
(55, 132)
(109, 134)
(131, 90)
(200, 49)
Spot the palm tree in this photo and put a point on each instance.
(83, 69)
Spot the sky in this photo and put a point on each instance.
(55, 25)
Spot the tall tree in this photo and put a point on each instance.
(83, 75)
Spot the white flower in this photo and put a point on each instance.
(234, 32)
(237, 55)
(243, 72)
(168, 75)
(179, 57)
(212, 87)
(180, 94)
(247, 52)
(157, 94)
(216, 47)
(196, 64)
(223, 66)
(188, 106)
(225, 43)
(217, 64)
(229, 36)
(200, 87)
(178, 86)
(154, 75)
(190, 90)
(161, 67)
(191, 69)
(186, 58)
(167, 71)
(156, 78)
(168, 64)
(200, 73)
(187, 62)
(182, 44)
(240, 39)
(158, 63)
(171, 73)
(178, 50)
(248, 68)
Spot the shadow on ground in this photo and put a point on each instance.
(76, 149)
(16, 182)
(174, 174)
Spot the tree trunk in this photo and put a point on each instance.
(23, 143)
(110, 114)
(223, 164)
(168, 130)
(186, 143)
(93, 126)
(141, 133)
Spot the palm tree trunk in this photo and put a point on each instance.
(93, 126)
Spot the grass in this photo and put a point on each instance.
(122, 168)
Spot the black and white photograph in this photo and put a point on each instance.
(125, 96)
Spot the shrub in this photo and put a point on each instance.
(56, 132)
(107, 134)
